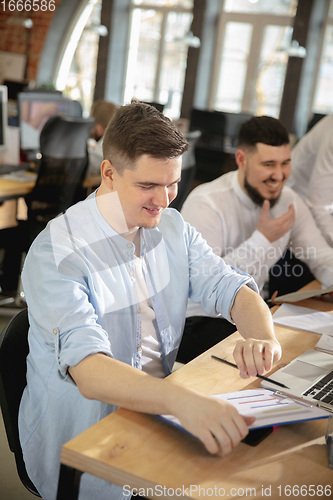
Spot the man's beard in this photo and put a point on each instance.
(256, 197)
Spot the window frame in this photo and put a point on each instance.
(259, 22)
(158, 71)
(328, 22)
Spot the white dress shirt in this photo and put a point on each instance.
(227, 219)
(312, 174)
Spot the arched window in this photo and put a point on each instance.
(77, 68)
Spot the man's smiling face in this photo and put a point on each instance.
(263, 171)
(145, 191)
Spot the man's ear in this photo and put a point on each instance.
(108, 173)
(240, 159)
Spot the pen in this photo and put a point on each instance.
(259, 376)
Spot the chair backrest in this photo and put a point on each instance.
(188, 170)
(209, 150)
(65, 137)
(63, 146)
(157, 105)
(14, 349)
(210, 123)
(233, 124)
(314, 120)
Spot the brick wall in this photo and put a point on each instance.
(21, 40)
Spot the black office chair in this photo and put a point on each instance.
(157, 105)
(314, 120)
(63, 145)
(233, 124)
(13, 352)
(209, 151)
(188, 170)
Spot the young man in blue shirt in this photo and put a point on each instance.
(107, 285)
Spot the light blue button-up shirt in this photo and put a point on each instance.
(79, 282)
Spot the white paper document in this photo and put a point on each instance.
(303, 318)
(267, 407)
(301, 295)
(325, 343)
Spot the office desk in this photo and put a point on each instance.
(141, 451)
(11, 189)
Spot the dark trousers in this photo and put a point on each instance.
(288, 275)
(14, 242)
(202, 333)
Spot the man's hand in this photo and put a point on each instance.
(216, 423)
(256, 356)
(260, 348)
(274, 229)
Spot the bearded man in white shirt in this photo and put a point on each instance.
(250, 218)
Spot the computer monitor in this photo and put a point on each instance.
(234, 122)
(35, 108)
(3, 116)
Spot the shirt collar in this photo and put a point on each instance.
(147, 235)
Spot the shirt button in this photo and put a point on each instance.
(139, 348)
(132, 273)
(139, 310)
(55, 331)
(129, 245)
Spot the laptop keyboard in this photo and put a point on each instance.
(322, 390)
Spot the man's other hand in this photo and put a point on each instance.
(255, 357)
(273, 229)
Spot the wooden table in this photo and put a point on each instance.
(141, 451)
(10, 189)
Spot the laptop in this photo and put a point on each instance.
(309, 377)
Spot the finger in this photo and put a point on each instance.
(291, 209)
(210, 443)
(249, 420)
(268, 358)
(259, 358)
(273, 297)
(242, 423)
(223, 440)
(230, 431)
(238, 357)
(277, 352)
(248, 356)
(265, 208)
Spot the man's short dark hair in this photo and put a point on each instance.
(139, 129)
(264, 129)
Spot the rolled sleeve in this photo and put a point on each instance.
(213, 283)
(59, 308)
